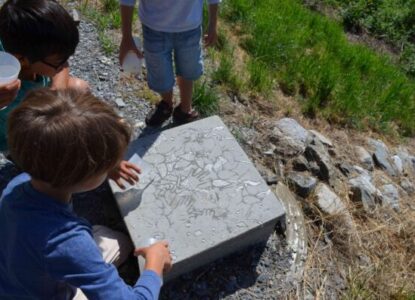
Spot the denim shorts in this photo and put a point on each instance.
(162, 49)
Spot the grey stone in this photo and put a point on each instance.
(300, 163)
(314, 168)
(364, 158)
(271, 179)
(289, 137)
(398, 164)
(328, 201)
(382, 157)
(119, 102)
(362, 190)
(321, 138)
(390, 196)
(318, 154)
(408, 160)
(302, 185)
(363, 172)
(198, 190)
(75, 16)
(407, 185)
(346, 168)
(267, 174)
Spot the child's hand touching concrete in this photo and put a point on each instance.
(157, 256)
(125, 170)
(9, 92)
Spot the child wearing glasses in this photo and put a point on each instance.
(42, 36)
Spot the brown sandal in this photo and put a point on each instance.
(180, 117)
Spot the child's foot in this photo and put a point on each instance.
(159, 114)
(181, 117)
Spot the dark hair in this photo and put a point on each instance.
(65, 137)
(37, 29)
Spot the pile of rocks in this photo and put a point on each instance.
(375, 175)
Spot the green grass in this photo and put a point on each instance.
(309, 57)
(105, 18)
(389, 20)
(205, 99)
(225, 72)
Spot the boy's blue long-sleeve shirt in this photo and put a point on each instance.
(170, 15)
(47, 251)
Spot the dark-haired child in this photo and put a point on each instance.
(42, 36)
(48, 252)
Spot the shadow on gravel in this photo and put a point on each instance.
(223, 277)
(147, 137)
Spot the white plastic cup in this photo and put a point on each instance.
(132, 63)
(9, 68)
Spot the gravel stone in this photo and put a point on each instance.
(302, 185)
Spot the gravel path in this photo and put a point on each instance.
(255, 273)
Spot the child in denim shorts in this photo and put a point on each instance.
(172, 34)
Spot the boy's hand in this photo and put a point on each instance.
(211, 37)
(9, 92)
(157, 256)
(127, 44)
(125, 170)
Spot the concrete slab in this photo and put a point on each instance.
(199, 191)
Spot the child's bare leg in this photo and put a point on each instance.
(186, 92)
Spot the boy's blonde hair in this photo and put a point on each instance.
(65, 137)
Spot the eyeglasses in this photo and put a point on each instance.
(56, 67)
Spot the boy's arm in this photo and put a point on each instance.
(74, 257)
(212, 35)
(127, 42)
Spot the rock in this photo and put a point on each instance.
(382, 158)
(272, 179)
(407, 185)
(364, 158)
(328, 201)
(398, 164)
(267, 174)
(362, 190)
(300, 164)
(363, 172)
(263, 278)
(75, 16)
(289, 137)
(321, 138)
(302, 185)
(270, 151)
(390, 196)
(346, 168)
(314, 168)
(318, 154)
(120, 103)
(408, 161)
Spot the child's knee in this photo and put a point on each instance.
(78, 84)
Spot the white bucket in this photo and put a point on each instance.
(132, 63)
